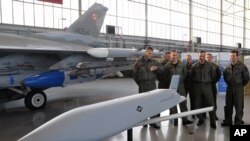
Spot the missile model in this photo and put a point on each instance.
(118, 52)
(102, 120)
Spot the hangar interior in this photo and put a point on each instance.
(175, 24)
(183, 25)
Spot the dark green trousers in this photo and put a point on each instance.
(189, 91)
(147, 86)
(204, 98)
(234, 97)
(214, 90)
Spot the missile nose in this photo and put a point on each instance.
(98, 52)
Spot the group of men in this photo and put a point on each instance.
(198, 80)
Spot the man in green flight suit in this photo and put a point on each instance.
(236, 75)
(164, 81)
(188, 82)
(203, 74)
(175, 67)
(209, 58)
(145, 74)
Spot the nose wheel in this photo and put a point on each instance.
(35, 100)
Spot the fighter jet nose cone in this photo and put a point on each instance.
(45, 80)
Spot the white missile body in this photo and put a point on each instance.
(102, 120)
(118, 52)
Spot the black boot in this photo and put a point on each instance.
(155, 126)
(201, 121)
(175, 122)
(216, 117)
(226, 123)
(213, 124)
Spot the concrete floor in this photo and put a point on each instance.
(16, 121)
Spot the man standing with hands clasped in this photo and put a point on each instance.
(203, 74)
(209, 58)
(175, 67)
(236, 76)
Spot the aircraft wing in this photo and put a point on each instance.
(14, 43)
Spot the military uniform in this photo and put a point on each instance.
(164, 80)
(177, 69)
(142, 75)
(188, 85)
(202, 76)
(214, 88)
(236, 77)
(145, 78)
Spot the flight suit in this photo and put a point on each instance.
(145, 78)
(177, 69)
(188, 85)
(164, 80)
(214, 88)
(236, 76)
(202, 77)
(142, 75)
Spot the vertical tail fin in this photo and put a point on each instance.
(90, 22)
(174, 82)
